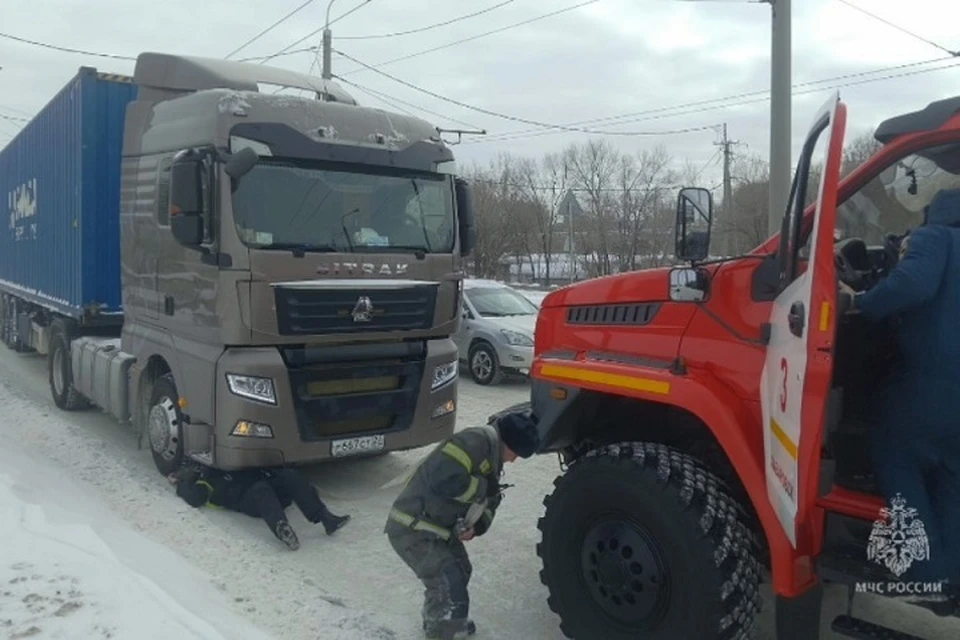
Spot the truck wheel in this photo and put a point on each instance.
(484, 364)
(641, 542)
(165, 426)
(60, 367)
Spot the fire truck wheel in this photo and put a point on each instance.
(641, 542)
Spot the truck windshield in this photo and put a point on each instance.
(894, 201)
(328, 208)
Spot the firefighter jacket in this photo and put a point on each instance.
(923, 292)
(453, 489)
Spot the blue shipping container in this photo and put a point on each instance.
(60, 181)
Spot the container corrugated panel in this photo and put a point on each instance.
(60, 183)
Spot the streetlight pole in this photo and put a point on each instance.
(780, 118)
(328, 38)
(327, 44)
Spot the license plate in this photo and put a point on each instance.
(356, 446)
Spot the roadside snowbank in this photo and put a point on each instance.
(61, 578)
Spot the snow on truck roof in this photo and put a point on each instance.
(188, 73)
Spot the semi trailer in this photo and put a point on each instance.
(247, 278)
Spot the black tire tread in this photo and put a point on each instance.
(722, 521)
(60, 338)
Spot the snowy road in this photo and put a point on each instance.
(350, 586)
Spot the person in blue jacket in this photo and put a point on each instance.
(916, 444)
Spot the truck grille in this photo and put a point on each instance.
(355, 389)
(612, 314)
(354, 310)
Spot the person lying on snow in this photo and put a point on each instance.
(264, 493)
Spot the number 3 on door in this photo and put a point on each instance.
(783, 388)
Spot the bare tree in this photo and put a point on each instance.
(645, 179)
(593, 166)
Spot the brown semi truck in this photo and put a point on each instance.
(289, 268)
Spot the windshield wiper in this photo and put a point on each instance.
(300, 249)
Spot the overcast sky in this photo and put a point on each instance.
(609, 58)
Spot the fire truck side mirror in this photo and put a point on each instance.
(694, 224)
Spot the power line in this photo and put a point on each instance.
(3, 116)
(15, 110)
(428, 27)
(46, 45)
(524, 120)
(899, 28)
(270, 28)
(735, 100)
(387, 99)
(476, 37)
(286, 49)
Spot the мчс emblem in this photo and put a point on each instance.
(363, 310)
(898, 538)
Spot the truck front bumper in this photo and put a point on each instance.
(316, 403)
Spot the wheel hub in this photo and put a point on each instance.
(625, 572)
(162, 429)
(482, 364)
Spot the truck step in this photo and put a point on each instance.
(863, 630)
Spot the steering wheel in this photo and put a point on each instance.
(847, 272)
(891, 249)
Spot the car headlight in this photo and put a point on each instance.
(252, 388)
(444, 374)
(516, 338)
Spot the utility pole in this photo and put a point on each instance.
(573, 265)
(327, 44)
(727, 209)
(328, 39)
(780, 122)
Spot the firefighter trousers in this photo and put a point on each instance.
(445, 570)
(916, 454)
(269, 498)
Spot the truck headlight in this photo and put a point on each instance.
(247, 429)
(516, 338)
(252, 388)
(444, 374)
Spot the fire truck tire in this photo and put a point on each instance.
(639, 541)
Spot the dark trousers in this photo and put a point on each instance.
(269, 498)
(916, 454)
(445, 570)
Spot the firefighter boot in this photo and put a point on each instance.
(437, 633)
(331, 523)
(286, 535)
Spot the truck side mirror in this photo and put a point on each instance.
(694, 224)
(465, 217)
(187, 201)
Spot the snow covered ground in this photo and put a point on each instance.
(205, 568)
(71, 569)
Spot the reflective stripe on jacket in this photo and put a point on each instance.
(460, 473)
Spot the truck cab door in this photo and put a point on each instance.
(796, 378)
